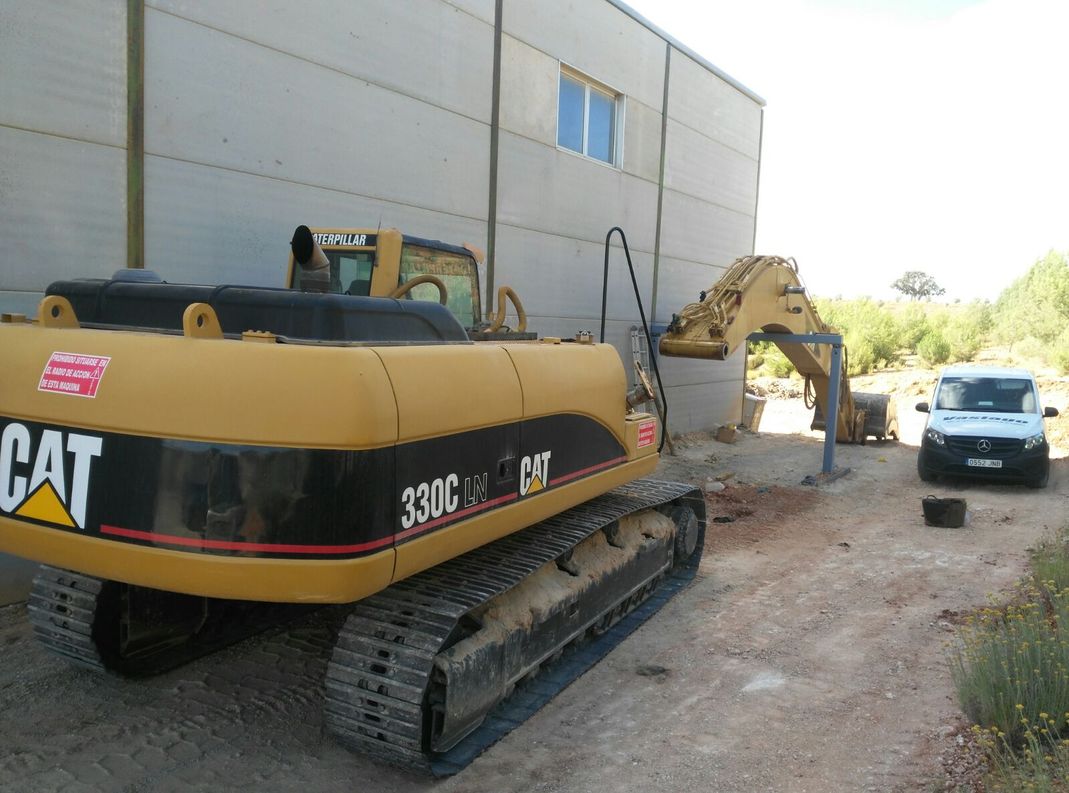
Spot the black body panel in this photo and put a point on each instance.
(284, 312)
(283, 502)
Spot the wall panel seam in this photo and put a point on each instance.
(60, 136)
(312, 185)
(384, 86)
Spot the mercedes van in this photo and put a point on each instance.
(985, 422)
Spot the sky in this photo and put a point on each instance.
(899, 134)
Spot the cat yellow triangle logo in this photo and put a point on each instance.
(534, 472)
(44, 504)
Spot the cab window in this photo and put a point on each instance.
(353, 270)
(350, 272)
(457, 271)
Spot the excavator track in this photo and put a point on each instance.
(136, 631)
(386, 683)
(62, 606)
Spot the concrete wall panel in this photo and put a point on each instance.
(642, 141)
(438, 52)
(62, 210)
(679, 282)
(570, 195)
(711, 106)
(561, 277)
(701, 232)
(529, 85)
(597, 39)
(64, 70)
(218, 100)
(705, 169)
(706, 405)
(207, 225)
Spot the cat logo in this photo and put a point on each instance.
(534, 473)
(39, 490)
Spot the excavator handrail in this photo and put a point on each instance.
(645, 325)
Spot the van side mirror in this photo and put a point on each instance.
(1049, 413)
(922, 407)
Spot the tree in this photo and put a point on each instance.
(918, 285)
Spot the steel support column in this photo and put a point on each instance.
(831, 421)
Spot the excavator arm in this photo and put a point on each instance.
(765, 293)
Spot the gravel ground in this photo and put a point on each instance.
(809, 655)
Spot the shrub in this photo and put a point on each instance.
(1010, 666)
(913, 326)
(777, 364)
(871, 334)
(964, 333)
(934, 349)
(1011, 671)
(860, 357)
(1058, 353)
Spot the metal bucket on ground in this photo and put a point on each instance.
(948, 513)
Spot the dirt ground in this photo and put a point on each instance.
(809, 655)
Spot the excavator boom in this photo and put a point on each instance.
(765, 293)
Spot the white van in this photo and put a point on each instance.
(985, 422)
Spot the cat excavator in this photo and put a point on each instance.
(766, 294)
(191, 463)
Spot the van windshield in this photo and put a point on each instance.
(987, 394)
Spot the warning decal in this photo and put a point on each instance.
(74, 374)
(647, 433)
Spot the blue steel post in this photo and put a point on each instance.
(831, 418)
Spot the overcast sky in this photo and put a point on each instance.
(900, 134)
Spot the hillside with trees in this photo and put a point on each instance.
(1030, 319)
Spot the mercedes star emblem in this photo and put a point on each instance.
(984, 446)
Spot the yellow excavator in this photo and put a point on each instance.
(765, 294)
(189, 463)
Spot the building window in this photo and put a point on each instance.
(587, 117)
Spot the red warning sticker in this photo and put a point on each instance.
(647, 433)
(73, 373)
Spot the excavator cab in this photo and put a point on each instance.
(386, 263)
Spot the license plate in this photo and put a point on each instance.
(980, 462)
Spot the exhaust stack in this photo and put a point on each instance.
(314, 264)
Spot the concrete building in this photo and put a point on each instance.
(191, 137)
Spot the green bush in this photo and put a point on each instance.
(872, 335)
(934, 349)
(965, 333)
(777, 364)
(765, 358)
(913, 326)
(860, 357)
(1036, 305)
(1058, 352)
(1010, 667)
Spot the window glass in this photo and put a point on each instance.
(570, 114)
(987, 394)
(457, 271)
(354, 273)
(599, 143)
(587, 118)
